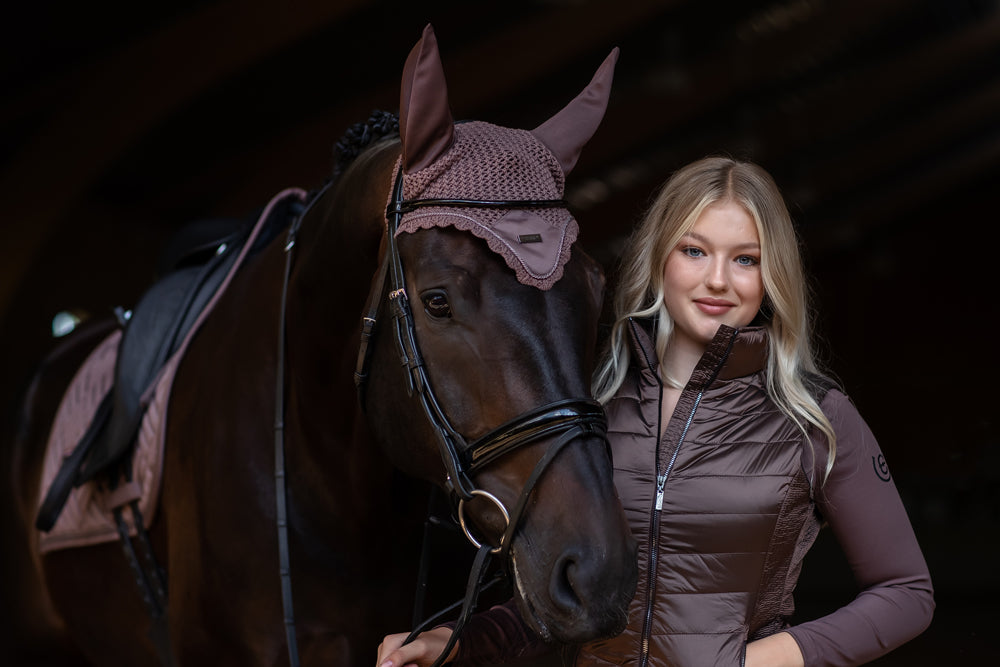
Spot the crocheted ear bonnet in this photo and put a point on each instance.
(496, 163)
(481, 161)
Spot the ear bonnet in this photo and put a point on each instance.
(482, 161)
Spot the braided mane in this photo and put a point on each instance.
(380, 124)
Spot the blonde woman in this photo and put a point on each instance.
(730, 451)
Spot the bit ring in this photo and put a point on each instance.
(465, 529)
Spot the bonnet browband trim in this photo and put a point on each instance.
(408, 205)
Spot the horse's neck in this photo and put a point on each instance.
(337, 255)
(336, 261)
(338, 252)
(327, 431)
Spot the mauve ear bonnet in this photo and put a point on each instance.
(481, 161)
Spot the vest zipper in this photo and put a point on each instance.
(654, 535)
(661, 481)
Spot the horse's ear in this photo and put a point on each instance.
(425, 123)
(566, 133)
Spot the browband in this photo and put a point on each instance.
(407, 205)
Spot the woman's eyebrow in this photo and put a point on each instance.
(701, 239)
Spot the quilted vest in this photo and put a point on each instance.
(718, 560)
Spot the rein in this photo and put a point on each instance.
(280, 495)
(565, 420)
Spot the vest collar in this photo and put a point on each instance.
(733, 353)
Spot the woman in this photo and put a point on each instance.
(730, 450)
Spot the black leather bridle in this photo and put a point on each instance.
(573, 417)
(564, 420)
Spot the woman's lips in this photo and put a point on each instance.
(713, 306)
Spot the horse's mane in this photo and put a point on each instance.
(380, 124)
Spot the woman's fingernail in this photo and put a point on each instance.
(386, 663)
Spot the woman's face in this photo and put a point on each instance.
(712, 276)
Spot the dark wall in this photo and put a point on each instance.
(877, 119)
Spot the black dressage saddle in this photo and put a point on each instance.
(193, 266)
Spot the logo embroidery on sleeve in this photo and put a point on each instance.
(881, 468)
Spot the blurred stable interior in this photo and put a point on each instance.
(878, 118)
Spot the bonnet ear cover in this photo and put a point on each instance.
(568, 131)
(480, 161)
(425, 122)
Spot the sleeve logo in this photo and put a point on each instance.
(881, 468)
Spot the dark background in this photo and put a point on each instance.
(878, 118)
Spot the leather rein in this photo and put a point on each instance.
(564, 420)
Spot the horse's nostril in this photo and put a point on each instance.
(564, 586)
(591, 595)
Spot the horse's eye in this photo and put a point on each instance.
(436, 304)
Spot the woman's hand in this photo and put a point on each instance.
(778, 650)
(421, 652)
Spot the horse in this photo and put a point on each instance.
(306, 418)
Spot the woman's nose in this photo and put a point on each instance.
(717, 277)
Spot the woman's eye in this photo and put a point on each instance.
(747, 260)
(691, 251)
(436, 304)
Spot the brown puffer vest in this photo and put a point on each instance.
(720, 546)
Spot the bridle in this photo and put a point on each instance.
(462, 459)
(564, 420)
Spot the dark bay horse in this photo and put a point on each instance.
(500, 331)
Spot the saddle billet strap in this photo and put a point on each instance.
(150, 580)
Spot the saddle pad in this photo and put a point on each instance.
(87, 517)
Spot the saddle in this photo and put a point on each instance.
(193, 265)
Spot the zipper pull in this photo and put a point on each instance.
(661, 480)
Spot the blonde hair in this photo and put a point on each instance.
(639, 293)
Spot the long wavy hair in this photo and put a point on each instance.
(785, 312)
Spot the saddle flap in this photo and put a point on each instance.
(159, 323)
(158, 327)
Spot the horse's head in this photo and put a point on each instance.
(495, 316)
